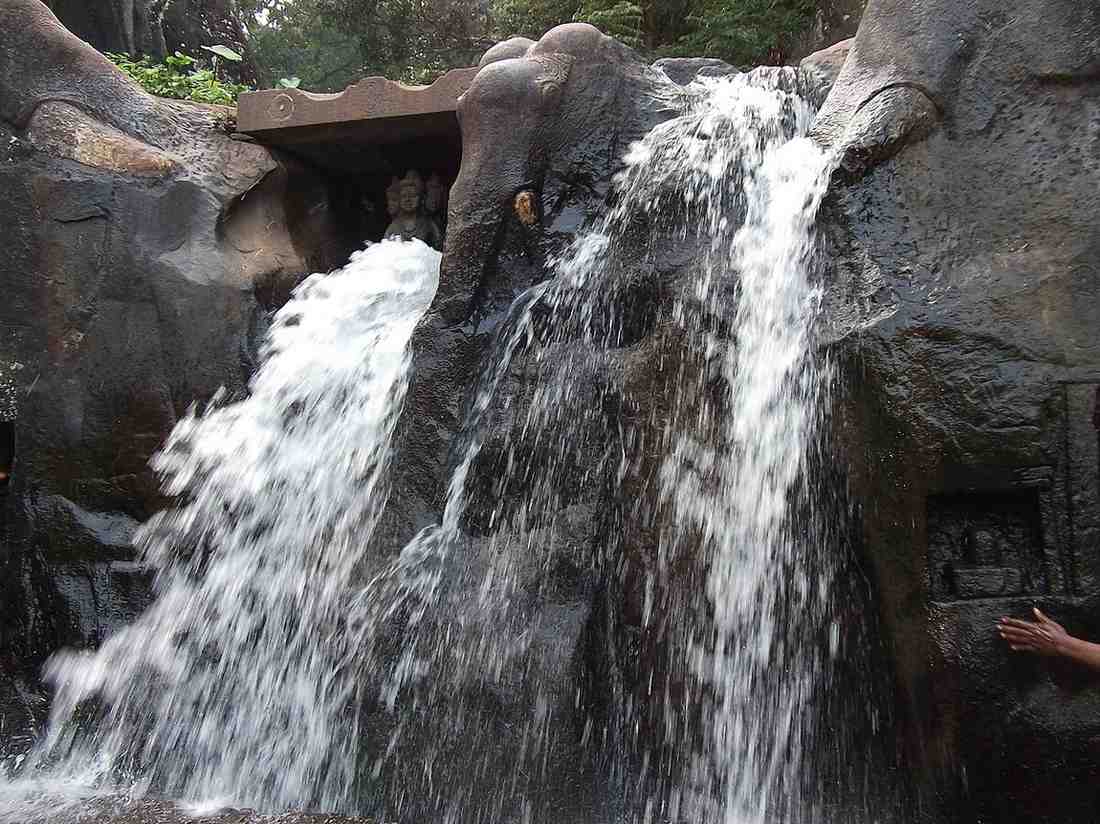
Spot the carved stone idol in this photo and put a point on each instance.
(410, 222)
(393, 198)
(435, 195)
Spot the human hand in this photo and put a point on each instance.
(1043, 637)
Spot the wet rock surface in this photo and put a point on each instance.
(962, 315)
(550, 121)
(964, 223)
(109, 811)
(144, 249)
(572, 547)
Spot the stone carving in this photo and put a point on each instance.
(435, 195)
(1082, 433)
(986, 544)
(410, 221)
(393, 198)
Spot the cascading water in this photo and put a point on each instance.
(234, 686)
(735, 469)
(735, 171)
(259, 672)
(758, 659)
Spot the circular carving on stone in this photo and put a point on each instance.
(281, 108)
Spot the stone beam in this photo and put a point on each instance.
(345, 130)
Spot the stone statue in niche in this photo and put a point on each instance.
(986, 545)
(410, 221)
(393, 198)
(435, 196)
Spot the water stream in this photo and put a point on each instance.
(734, 172)
(245, 682)
(233, 687)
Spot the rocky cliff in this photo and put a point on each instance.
(961, 314)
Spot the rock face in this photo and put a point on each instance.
(961, 313)
(964, 222)
(543, 125)
(143, 249)
(559, 552)
(963, 460)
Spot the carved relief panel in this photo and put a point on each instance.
(1000, 532)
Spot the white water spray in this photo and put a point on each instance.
(235, 685)
(241, 681)
(734, 469)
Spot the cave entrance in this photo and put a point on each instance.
(365, 138)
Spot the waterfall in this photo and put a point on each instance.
(736, 172)
(736, 459)
(758, 659)
(278, 669)
(234, 686)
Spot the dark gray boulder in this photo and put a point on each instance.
(544, 128)
(592, 693)
(967, 298)
(553, 122)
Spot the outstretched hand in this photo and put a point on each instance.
(1042, 637)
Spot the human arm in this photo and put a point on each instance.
(1048, 638)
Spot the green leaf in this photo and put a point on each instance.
(172, 79)
(224, 51)
(178, 60)
(290, 82)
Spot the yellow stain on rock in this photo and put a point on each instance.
(65, 131)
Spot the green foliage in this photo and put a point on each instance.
(330, 44)
(178, 78)
(744, 32)
(623, 21)
(531, 18)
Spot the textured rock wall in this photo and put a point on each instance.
(964, 223)
(544, 125)
(565, 492)
(962, 315)
(141, 244)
